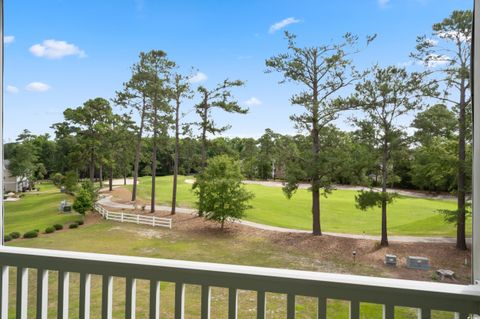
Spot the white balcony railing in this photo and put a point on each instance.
(425, 296)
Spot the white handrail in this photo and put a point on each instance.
(426, 296)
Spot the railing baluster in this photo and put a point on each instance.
(63, 294)
(205, 311)
(22, 293)
(388, 312)
(84, 305)
(4, 281)
(354, 309)
(424, 313)
(290, 306)
(42, 294)
(130, 302)
(261, 309)
(179, 300)
(107, 297)
(322, 308)
(154, 299)
(232, 303)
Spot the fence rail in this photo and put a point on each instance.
(391, 293)
(134, 218)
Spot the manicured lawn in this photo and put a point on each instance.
(127, 239)
(37, 210)
(406, 216)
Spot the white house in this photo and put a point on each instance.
(12, 183)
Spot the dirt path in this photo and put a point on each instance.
(108, 203)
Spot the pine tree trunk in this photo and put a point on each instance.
(138, 149)
(110, 179)
(384, 240)
(175, 164)
(100, 174)
(461, 243)
(92, 168)
(316, 229)
(154, 157)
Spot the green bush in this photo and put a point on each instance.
(80, 222)
(15, 235)
(49, 230)
(58, 226)
(72, 226)
(30, 234)
(37, 230)
(7, 238)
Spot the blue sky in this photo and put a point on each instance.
(60, 53)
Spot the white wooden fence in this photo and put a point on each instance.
(134, 218)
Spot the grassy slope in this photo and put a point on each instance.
(109, 237)
(36, 210)
(406, 216)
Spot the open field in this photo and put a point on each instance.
(406, 216)
(37, 210)
(197, 240)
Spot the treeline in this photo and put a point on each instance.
(147, 135)
(425, 160)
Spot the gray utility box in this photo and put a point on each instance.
(390, 260)
(414, 262)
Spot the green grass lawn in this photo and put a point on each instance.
(406, 216)
(243, 248)
(37, 210)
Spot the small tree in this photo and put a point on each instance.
(222, 196)
(85, 198)
(83, 202)
(70, 181)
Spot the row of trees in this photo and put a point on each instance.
(93, 138)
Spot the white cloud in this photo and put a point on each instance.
(282, 24)
(37, 87)
(253, 101)
(54, 49)
(12, 89)
(8, 39)
(383, 3)
(199, 77)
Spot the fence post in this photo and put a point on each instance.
(122, 217)
(138, 219)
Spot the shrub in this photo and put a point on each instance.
(58, 226)
(80, 222)
(7, 238)
(49, 230)
(37, 230)
(221, 194)
(85, 198)
(15, 235)
(30, 234)
(72, 226)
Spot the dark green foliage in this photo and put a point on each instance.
(72, 226)
(57, 179)
(80, 222)
(70, 181)
(7, 238)
(31, 234)
(371, 198)
(49, 230)
(15, 235)
(58, 226)
(451, 216)
(85, 198)
(222, 195)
